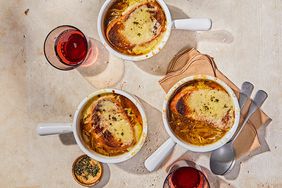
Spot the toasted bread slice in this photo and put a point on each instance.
(109, 125)
(177, 104)
(207, 104)
(137, 27)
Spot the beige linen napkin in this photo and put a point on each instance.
(191, 62)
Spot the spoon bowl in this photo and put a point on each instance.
(222, 159)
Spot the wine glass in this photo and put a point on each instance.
(186, 174)
(66, 48)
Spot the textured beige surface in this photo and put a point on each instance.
(246, 42)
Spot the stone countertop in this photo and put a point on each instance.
(246, 42)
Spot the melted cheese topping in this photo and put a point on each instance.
(210, 105)
(139, 27)
(111, 124)
(148, 47)
(115, 122)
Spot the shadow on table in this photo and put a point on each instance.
(67, 139)
(105, 177)
(96, 61)
(234, 173)
(101, 69)
(155, 137)
(178, 40)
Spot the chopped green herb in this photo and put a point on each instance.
(139, 34)
(212, 98)
(206, 107)
(85, 169)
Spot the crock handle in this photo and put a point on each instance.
(156, 159)
(193, 24)
(53, 128)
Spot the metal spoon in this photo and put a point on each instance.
(223, 158)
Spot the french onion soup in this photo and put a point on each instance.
(201, 112)
(111, 124)
(134, 27)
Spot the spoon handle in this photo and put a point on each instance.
(245, 93)
(258, 101)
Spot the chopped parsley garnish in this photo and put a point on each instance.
(212, 98)
(206, 107)
(85, 169)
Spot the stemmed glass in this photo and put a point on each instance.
(185, 173)
(66, 48)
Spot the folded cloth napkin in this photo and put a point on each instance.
(191, 62)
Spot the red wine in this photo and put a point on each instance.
(186, 177)
(71, 47)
